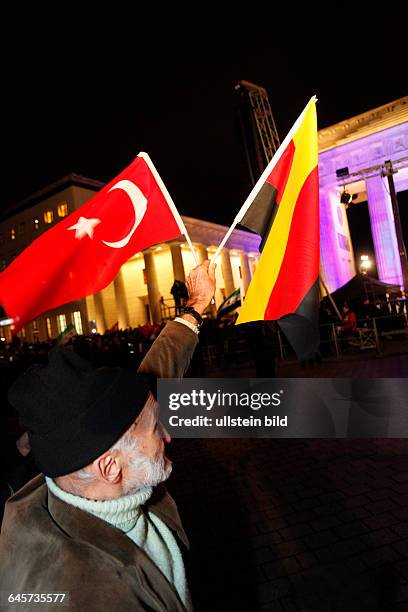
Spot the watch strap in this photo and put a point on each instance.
(190, 310)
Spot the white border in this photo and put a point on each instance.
(169, 200)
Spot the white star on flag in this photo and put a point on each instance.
(84, 226)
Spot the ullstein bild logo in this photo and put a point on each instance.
(228, 421)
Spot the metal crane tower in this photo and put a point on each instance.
(261, 138)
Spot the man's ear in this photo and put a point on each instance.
(109, 468)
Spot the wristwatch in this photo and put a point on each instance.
(190, 310)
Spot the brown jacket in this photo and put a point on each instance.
(48, 546)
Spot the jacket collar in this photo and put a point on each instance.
(78, 523)
(89, 529)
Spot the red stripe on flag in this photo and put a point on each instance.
(280, 174)
(300, 265)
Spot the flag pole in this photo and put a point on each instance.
(262, 179)
(176, 214)
(333, 303)
(190, 244)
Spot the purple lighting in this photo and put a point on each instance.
(383, 231)
(337, 257)
(336, 254)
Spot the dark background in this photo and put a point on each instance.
(85, 88)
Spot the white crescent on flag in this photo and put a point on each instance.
(139, 204)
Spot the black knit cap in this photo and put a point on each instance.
(74, 412)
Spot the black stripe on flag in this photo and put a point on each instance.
(261, 214)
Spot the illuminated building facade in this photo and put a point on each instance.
(361, 145)
(141, 290)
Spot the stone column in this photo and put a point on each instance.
(152, 286)
(177, 259)
(83, 309)
(121, 303)
(201, 252)
(336, 250)
(383, 230)
(245, 269)
(227, 272)
(42, 328)
(99, 313)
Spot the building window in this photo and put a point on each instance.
(12, 233)
(36, 223)
(62, 209)
(77, 321)
(35, 328)
(49, 328)
(21, 228)
(62, 323)
(48, 216)
(343, 242)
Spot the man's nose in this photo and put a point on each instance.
(165, 434)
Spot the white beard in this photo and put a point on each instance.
(146, 472)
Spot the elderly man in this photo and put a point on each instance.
(97, 524)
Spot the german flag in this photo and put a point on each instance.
(283, 208)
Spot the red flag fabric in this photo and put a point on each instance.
(285, 212)
(83, 253)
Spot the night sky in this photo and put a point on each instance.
(85, 90)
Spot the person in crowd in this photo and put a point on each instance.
(97, 523)
(326, 320)
(180, 294)
(260, 339)
(368, 311)
(349, 320)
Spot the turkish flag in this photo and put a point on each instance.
(83, 253)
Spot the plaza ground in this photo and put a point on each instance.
(289, 525)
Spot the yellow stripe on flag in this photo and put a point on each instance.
(266, 273)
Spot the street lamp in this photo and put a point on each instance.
(365, 264)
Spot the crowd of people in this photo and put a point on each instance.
(127, 347)
(389, 315)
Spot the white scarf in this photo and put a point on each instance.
(144, 528)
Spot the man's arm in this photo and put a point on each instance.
(171, 352)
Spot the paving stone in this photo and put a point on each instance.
(351, 529)
(401, 593)
(295, 525)
(326, 522)
(401, 529)
(284, 567)
(287, 549)
(306, 559)
(380, 556)
(381, 520)
(321, 539)
(380, 537)
(273, 590)
(296, 531)
(402, 547)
